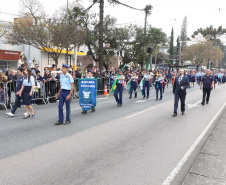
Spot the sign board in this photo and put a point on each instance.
(87, 93)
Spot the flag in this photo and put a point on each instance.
(114, 85)
(142, 87)
(129, 86)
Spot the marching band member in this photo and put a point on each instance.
(133, 87)
(119, 88)
(147, 78)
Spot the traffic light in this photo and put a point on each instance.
(150, 50)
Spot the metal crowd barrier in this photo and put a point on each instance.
(3, 94)
(38, 93)
(44, 91)
(49, 90)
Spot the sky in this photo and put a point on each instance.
(165, 14)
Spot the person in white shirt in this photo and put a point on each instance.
(21, 61)
(119, 88)
(147, 79)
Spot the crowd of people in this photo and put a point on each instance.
(131, 79)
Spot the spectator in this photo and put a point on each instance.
(47, 78)
(38, 76)
(24, 66)
(21, 61)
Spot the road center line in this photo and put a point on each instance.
(176, 170)
(144, 111)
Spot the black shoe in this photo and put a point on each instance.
(93, 110)
(183, 113)
(119, 105)
(160, 99)
(58, 123)
(129, 97)
(175, 114)
(157, 99)
(67, 122)
(135, 97)
(147, 98)
(207, 102)
(203, 103)
(84, 112)
(25, 117)
(143, 97)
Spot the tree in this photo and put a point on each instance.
(101, 23)
(32, 8)
(91, 25)
(203, 53)
(4, 28)
(211, 33)
(183, 34)
(51, 36)
(171, 50)
(178, 46)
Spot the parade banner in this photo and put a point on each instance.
(87, 93)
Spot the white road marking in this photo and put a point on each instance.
(175, 171)
(194, 105)
(139, 101)
(103, 98)
(144, 111)
(97, 104)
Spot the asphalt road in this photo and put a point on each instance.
(139, 143)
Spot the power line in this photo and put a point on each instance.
(128, 23)
(10, 13)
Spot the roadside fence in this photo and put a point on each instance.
(44, 92)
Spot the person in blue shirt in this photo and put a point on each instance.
(18, 87)
(64, 95)
(147, 78)
(26, 92)
(219, 78)
(197, 77)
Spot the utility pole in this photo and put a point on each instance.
(145, 29)
(147, 11)
(67, 34)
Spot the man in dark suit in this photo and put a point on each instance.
(179, 90)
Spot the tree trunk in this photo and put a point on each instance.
(56, 62)
(155, 63)
(101, 22)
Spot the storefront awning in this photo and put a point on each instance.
(63, 51)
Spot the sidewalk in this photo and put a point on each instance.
(210, 166)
